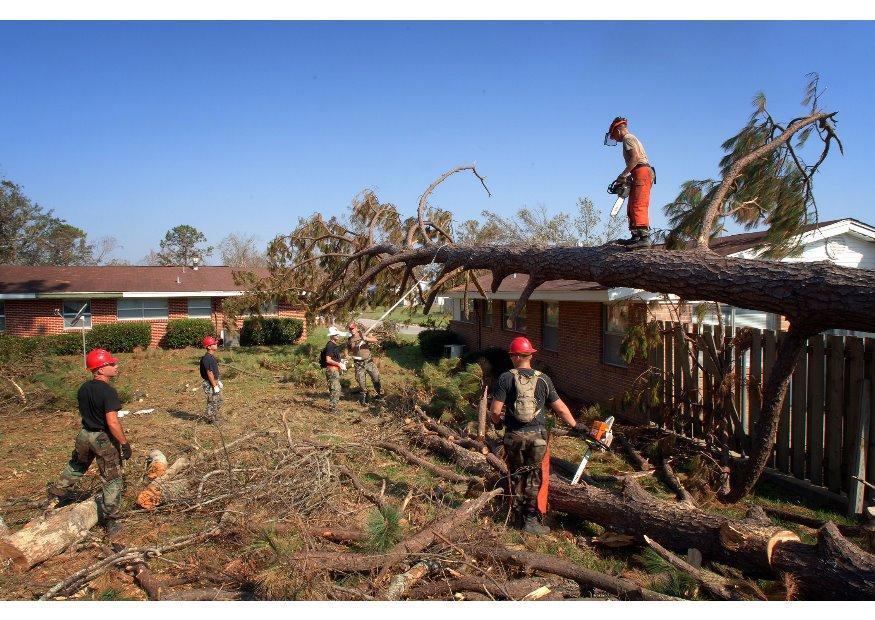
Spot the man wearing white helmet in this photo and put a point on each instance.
(331, 360)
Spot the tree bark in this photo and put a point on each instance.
(443, 472)
(165, 486)
(46, 537)
(834, 569)
(744, 478)
(674, 483)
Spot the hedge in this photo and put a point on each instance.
(433, 341)
(266, 331)
(115, 337)
(183, 333)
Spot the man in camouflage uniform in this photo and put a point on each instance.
(101, 438)
(364, 362)
(331, 360)
(526, 393)
(212, 386)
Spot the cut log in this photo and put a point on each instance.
(157, 464)
(164, 487)
(638, 462)
(443, 472)
(319, 561)
(46, 537)
(587, 579)
(482, 412)
(401, 584)
(675, 485)
(834, 569)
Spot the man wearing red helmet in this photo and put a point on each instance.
(526, 393)
(101, 438)
(363, 361)
(642, 178)
(209, 367)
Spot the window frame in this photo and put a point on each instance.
(549, 343)
(68, 316)
(486, 317)
(613, 335)
(519, 325)
(143, 308)
(2, 315)
(209, 313)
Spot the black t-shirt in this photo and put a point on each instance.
(505, 391)
(96, 399)
(209, 362)
(331, 350)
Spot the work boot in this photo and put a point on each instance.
(363, 397)
(632, 239)
(111, 528)
(640, 239)
(532, 526)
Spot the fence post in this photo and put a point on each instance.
(797, 420)
(854, 387)
(754, 382)
(870, 452)
(856, 489)
(816, 436)
(835, 369)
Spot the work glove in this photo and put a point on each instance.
(342, 366)
(217, 388)
(125, 450)
(221, 385)
(579, 430)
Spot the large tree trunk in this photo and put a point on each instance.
(43, 538)
(744, 478)
(834, 569)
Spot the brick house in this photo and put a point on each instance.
(577, 327)
(44, 300)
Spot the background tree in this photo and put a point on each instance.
(328, 264)
(180, 245)
(241, 251)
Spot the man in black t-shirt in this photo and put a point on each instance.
(101, 438)
(331, 359)
(526, 393)
(209, 367)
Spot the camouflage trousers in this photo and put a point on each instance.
(214, 402)
(523, 453)
(333, 378)
(367, 367)
(91, 446)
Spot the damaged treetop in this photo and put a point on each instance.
(764, 181)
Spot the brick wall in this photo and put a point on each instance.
(36, 317)
(576, 367)
(284, 309)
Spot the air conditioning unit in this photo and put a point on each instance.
(454, 350)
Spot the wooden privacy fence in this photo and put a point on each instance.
(826, 433)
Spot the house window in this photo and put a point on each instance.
(140, 309)
(71, 308)
(200, 307)
(507, 311)
(550, 335)
(463, 310)
(740, 317)
(486, 318)
(615, 319)
(2, 317)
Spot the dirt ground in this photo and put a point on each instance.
(258, 391)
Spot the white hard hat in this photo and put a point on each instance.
(333, 331)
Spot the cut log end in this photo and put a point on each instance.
(754, 539)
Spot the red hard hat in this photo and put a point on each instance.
(352, 325)
(98, 358)
(521, 344)
(209, 341)
(617, 122)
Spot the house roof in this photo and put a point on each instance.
(116, 281)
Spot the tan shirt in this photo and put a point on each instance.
(360, 348)
(632, 146)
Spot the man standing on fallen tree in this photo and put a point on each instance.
(526, 393)
(101, 438)
(209, 367)
(331, 359)
(363, 361)
(642, 178)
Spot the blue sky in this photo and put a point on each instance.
(127, 129)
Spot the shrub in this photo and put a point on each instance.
(452, 388)
(497, 358)
(266, 331)
(183, 333)
(433, 341)
(119, 337)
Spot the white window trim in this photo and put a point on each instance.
(142, 319)
(605, 332)
(77, 328)
(188, 308)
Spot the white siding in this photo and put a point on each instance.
(847, 250)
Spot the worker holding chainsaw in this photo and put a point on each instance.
(101, 439)
(525, 394)
(331, 359)
(363, 361)
(634, 181)
(212, 386)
